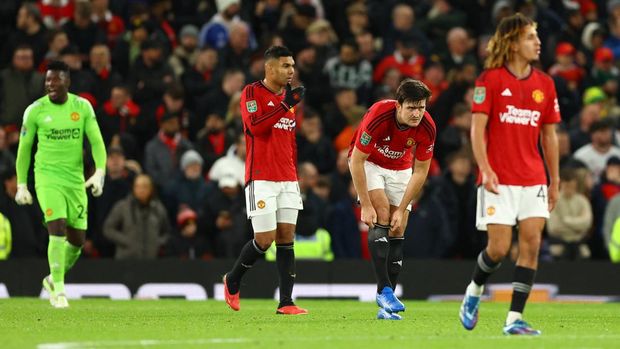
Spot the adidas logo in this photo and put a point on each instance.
(386, 139)
(400, 262)
(381, 239)
(506, 92)
(48, 119)
(271, 104)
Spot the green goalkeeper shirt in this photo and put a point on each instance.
(60, 131)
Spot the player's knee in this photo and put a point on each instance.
(264, 240)
(383, 215)
(498, 250)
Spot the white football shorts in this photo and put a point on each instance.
(513, 203)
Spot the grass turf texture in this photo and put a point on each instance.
(97, 323)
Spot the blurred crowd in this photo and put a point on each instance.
(164, 78)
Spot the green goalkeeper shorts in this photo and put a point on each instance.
(58, 202)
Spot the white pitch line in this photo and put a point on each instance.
(202, 341)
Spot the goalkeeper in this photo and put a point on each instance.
(59, 120)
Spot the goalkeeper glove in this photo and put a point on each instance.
(23, 197)
(96, 182)
(292, 96)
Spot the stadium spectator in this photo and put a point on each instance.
(104, 74)
(237, 52)
(215, 32)
(127, 48)
(213, 140)
(406, 58)
(233, 163)
(186, 241)
(55, 13)
(119, 179)
(217, 99)
(184, 56)
(138, 225)
(347, 70)
(164, 150)
(512, 195)
(119, 115)
(188, 189)
(57, 41)
(112, 25)
(30, 31)
(313, 146)
(455, 189)
(82, 31)
(29, 239)
(458, 50)
(600, 149)
(199, 79)
(294, 31)
(580, 133)
(570, 222)
(150, 74)
(21, 85)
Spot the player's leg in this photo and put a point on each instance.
(261, 207)
(77, 223)
(530, 231)
(395, 256)
(532, 214)
(496, 213)
(53, 204)
(289, 203)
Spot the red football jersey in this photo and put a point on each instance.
(269, 134)
(389, 143)
(517, 108)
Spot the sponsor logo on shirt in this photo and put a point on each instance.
(75, 116)
(251, 106)
(517, 116)
(285, 124)
(506, 92)
(388, 153)
(63, 134)
(365, 138)
(480, 93)
(538, 96)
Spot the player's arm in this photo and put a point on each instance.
(95, 139)
(479, 147)
(358, 174)
(22, 163)
(260, 121)
(549, 140)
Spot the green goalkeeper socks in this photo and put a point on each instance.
(72, 253)
(56, 260)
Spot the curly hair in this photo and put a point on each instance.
(508, 32)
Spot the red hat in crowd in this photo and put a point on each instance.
(185, 215)
(564, 48)
(603, 54)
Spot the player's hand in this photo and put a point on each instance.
(95, 182)
(396, 220)
(292, 96)
(490, 181)
(23, 197)
(369, 216)
(552, 196)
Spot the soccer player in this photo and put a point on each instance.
(515, 106)
(271, 192)
(381, 159)
(59, 120)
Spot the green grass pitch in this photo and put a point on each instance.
(100, 324)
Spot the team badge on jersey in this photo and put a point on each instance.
(410, 142)
(251, 106)
(365, 138)
(538, 96)
(75, 116)
(49, 212)
(480, 93)
(260, 204)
